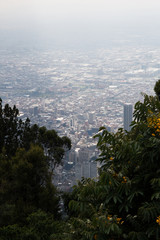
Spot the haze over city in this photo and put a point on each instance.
(79, 119)
(78, 23)
(73, 65)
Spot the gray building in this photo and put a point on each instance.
(128, 114)
(84, 167)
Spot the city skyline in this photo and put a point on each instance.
(72, 65)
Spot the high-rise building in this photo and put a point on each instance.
(91, 116)
(84, 167)
(128, 113)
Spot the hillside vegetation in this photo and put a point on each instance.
(123, 203)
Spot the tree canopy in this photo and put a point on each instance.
(15, 133)
(124, 202)
(28, 156)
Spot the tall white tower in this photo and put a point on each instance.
(128, 113)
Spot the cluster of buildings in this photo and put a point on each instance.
(77, 92)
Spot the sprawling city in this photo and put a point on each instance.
(75, 93)
(79, 120)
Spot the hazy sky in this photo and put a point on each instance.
(83, 17)
(41, 11)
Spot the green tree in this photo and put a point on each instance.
(124, 203)
(39, 226)
(27, 186)
(14, 134)
(157, 89)
(28, 156)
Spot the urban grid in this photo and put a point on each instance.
(75, 93)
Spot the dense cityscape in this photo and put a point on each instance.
(79, 120)
(75, 93)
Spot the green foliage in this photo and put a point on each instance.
(14, 134)
(124, 203)
(157, 88)
(39, 226)
(27, 186)
(29, 202)
(11, 232)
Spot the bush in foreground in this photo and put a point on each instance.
(124, 203)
